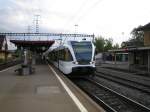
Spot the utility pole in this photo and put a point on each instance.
(37, 23)
(29, 30)
(76, 25)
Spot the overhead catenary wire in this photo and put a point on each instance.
(83, 12)
(88, 10)
(84, 3)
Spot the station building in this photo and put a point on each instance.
(4, 53)
(138, 57)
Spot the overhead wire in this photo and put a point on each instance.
(75, 14)
(83, 14)
(88, 10)
(84, 3)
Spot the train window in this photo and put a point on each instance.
(61, 54)
(65, 55)
(55, 55)
(81, 47)
(68, 56)
(51, 56)
(82, 50)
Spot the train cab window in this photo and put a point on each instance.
(68, 56)
(51, 56)
(83, 50)
(65, 55)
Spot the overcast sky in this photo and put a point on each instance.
(109, 18)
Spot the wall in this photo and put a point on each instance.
(146, 38)
(131, 58)
(2, 55)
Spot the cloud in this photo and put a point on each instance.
(108, 18)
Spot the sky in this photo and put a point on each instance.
(108, 18)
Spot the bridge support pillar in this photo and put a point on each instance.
(34, 58)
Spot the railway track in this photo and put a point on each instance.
(129, 71)
(119, 69)
(109, 99)
(9, 64)
(131, 84)
(124, 75)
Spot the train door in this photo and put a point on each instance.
(65, 62)
(61, 59)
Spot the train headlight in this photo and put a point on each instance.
(92, 62)
(75, 62)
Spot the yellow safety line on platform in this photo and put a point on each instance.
(70, 93)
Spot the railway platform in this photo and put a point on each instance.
(45, 91)
(124, 66)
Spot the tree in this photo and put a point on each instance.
(103, 45)
(108, 44)
(99, 43)
(116, 46)
(136, 40)
(137, 37)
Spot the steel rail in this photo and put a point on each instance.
(122, 97)
(124, 82)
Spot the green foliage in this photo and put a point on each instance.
(116, 46)
(108, 44)
(136, 40)
(137, 37)
(103, 45)
(137, 34)
(99, 43)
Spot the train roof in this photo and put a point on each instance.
(65, 45)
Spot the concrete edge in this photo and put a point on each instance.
(73, 87)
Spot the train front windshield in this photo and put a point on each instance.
(83, 51)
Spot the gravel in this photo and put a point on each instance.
(133, 94)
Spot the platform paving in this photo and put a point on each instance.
(40, 92)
